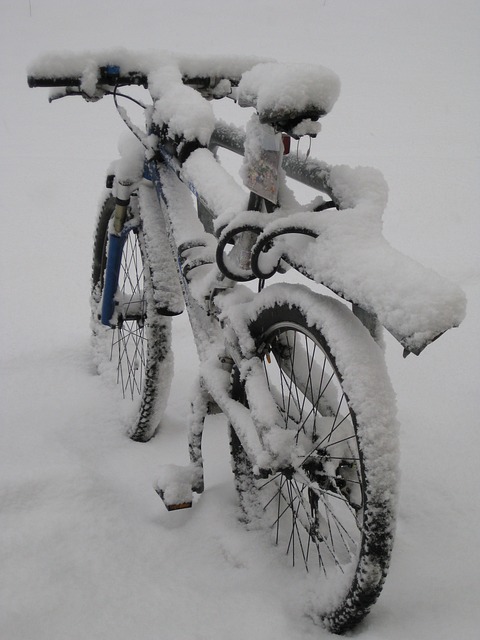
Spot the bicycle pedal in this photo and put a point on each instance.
(175, 486)
(173, 507)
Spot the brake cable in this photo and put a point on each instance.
(137, 132)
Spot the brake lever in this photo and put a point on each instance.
(76, 91)
(57, 94)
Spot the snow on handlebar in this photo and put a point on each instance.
(285, 95)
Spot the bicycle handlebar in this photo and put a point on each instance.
(293, 120)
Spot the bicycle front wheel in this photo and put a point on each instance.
(333, 514)
(136, 348)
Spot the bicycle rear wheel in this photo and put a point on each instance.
(333, 515)
(136, 348)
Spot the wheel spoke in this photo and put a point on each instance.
(311, 398)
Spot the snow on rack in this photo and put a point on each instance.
(352, 257)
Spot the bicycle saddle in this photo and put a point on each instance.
(290, 97)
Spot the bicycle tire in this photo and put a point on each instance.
(342, 526)
(136, 350)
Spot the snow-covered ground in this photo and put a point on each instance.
(87, 550)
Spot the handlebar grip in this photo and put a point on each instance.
(109, 76)
(34, 81)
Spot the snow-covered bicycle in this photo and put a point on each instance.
(300, 376)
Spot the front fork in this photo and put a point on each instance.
(116, 240)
